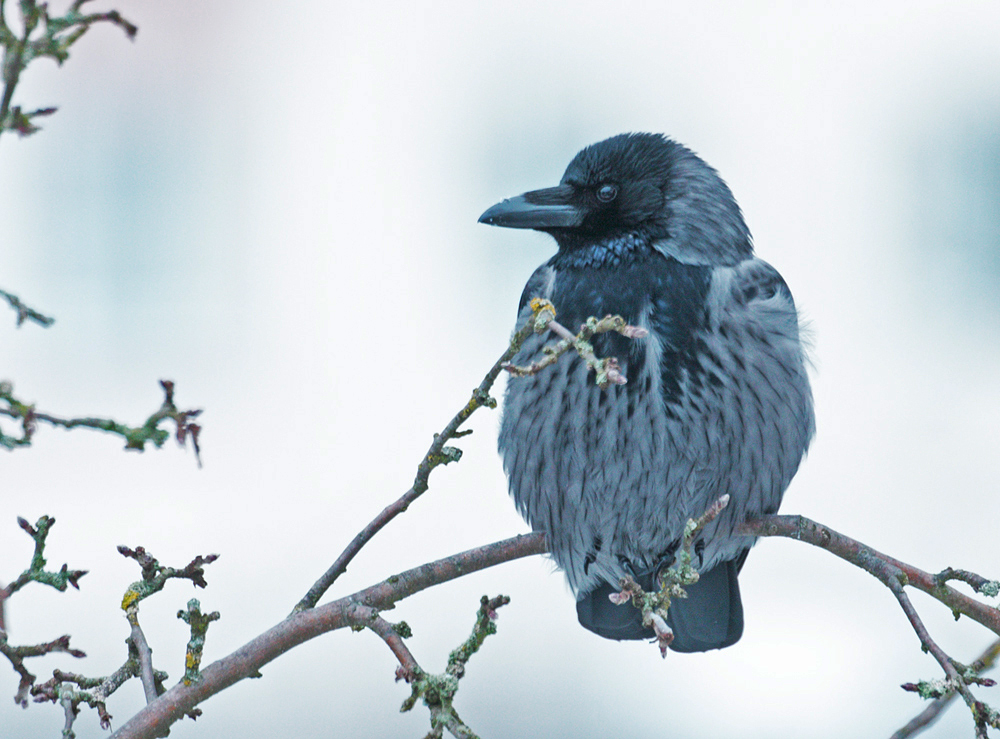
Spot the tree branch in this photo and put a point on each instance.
(438, 454)
(156, 718)
(135, 437)
(895, 575)
(930, 714)
(541, 320)
(870, 560)
(24, 312)
(57, 35)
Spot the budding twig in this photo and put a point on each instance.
(672, 580)
(607, 371)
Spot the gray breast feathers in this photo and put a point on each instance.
(717, 402)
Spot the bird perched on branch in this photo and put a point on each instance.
(717, 399)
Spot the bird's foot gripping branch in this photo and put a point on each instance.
(655, 607)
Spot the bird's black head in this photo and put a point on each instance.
(635, 190)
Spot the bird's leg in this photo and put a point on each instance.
(671, 579)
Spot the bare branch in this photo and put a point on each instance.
(145, 657)
(135, 438)
(57, 34)
(978, 583)
(154, 719)
(438, 454)
(17, 655)
(542, 319)
(930, 714)
(863, 556)
(896, 575)
(24, 312)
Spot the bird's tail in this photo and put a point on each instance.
(711, 617)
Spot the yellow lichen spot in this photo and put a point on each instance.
(190, 661)
(540, 304)
(130, 597)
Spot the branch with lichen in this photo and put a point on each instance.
(36, 572)
(607, 371)
(364, 609)
(155, 575)
(26, 312)
(438, 691)
(42, 36)
(896, 576)
(17, 655)
(136, 437)
(347, 612)
(672, 580)
(942, 695)
(198, 622)
(542, 319)
(71, 689)
(94, 691)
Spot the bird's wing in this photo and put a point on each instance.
(742, 417)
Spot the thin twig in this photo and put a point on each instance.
(135, 438)
(542, 319)
(896, 575)
(145, 658)
(24, 312)
(436, 455)
(929, 715)
(863, 556)
(607, 371)
(392, 635)
(894, 580)
(246, 661)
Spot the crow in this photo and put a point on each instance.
(717, 399)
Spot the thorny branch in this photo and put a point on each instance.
(135, 437)
(56, 34)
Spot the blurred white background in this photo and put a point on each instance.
(275, 206)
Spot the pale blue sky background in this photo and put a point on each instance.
(275, 206)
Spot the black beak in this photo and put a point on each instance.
(552, 207)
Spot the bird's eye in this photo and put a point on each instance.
(607, 193)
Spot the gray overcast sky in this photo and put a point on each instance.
(275, 206)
